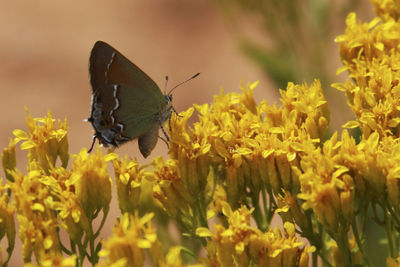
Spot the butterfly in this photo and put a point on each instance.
(126, 103)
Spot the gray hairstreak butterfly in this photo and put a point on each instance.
(126, 102)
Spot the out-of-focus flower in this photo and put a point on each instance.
(132, 237)
(356, 256)
(7, 223)
(9, 160)
(387, 9)
(55, 261)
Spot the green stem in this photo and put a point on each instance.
(91, 245)
(82, 251)
(393, 214)
(103, 220)
(343, 246)
(267, 206)
(359, 243)
(257, 214)
(390, 235)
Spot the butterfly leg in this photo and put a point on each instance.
(177, 114)
(166, 140)
(94, 140)
(165, 133)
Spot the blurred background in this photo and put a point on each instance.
(45, 48)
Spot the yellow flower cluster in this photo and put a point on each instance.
(132, 235)
(49, 197)
(240, 244)
(244, 146)
(387, 9)
(129, 177)
(370, 54)
(228, 174)
(45, 141)
(133, 238)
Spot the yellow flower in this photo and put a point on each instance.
(66, 203)
(191, 148)
(290, 210)
(393, 262)
(387, 9)
(46, 141)
(55, 261)
(374, 161)
(9, 160)
(286, 133)
(37, 221)
(323, 185)
(360, 40)
(370, 54)
(7, 223)
(173, 195)
(132, 237)
(128, 179)
(219, 199)
(241, 244)
(310, 105)
(356, 256)
(92, 182)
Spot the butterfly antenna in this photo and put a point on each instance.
(166, 82)
(191, 78)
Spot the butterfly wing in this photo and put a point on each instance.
(126, 102)
(138, 114)
(108, 66)
(148, 141)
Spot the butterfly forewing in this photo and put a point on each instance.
(108, 66)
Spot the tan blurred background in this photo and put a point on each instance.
(45, 48)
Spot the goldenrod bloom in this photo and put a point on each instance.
(45, 140)
(311, 107)
(241, 244)
(128, 179)
(337, 257)
(7, 223)
(37, 221)
(173, 195)
(66, 203)
(92, 182)
(369, 53)
(8, 159)
(55, 261)
(323, 185)
(387, 9)
(290, 210)
(132, 237)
